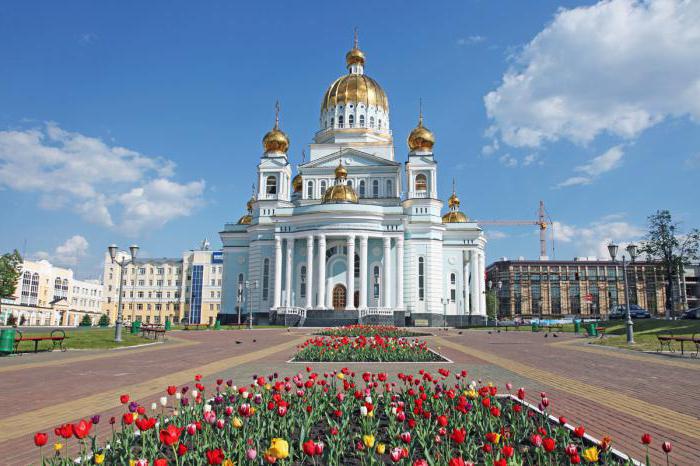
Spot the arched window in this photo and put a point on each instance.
(389, 189)
(421, 278)
(453, 279)
(362, 121)
(340, 121)
(376, 281)
(302, 282)
(362, 188)
(371, 122)
(323, 187)
(271, 185)
(375, 188)
(351, 121)
(421, 182)
(266, 279)
(310, 190)
(350, 183)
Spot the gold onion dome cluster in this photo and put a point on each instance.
(454, 215)
(355, 88)
(421, 138)
(340, 192)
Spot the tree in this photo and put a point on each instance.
(12, 320)
(665, 243)
(491, 304)
(86, 321)
(104, 320)
(10, 269)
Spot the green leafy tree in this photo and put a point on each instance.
(665, 243)
(12, 320)
(10, 269)
(86, 321)
(104, 320)
(491, 304)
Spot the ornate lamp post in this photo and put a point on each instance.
(632, 251)
(133, 249)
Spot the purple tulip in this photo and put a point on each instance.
(95, 419)
(133, 406)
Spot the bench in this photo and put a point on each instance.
(600, 331)
(154, 330)
(667, 338)
(56, 338)
(196, 326)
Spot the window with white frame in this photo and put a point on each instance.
(310, 190)
(375, 188)
(389, 188)
(421, 279)
(271, 185)
(362, 188)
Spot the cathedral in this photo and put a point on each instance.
(345, 240)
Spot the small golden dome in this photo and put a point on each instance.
(340, 192)
(454, 216)
(421, 138)
(340, 171)
(249, 204)
(245, 220)
(297, 183)
(276, 141)
(354, 56)
(453, 201)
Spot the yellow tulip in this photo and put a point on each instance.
(472, 394)
(341, 376)
(368, 440)
(57, 446)
(279, 448)
(99, 458)
(381, 448)
(228, 462)
(236, 422)
(591, 455)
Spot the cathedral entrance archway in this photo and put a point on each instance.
(339, 297)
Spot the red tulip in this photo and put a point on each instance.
(500, 462)
(396, 454)
(171, 435)
(171, 390)
(549, 444)
(521, 393)
(571, 449)
(442, 420)
(181, 450)
(160, 462)
(666, 447)
(495, 411)
(40, 439)
(507, 451)
(309, 447)
(420, 462)
(456, 462)
(579, 431)
(646, 439)
(65, 431)
(458, 435)
(562, 420)
(536, 440)
(124, 399)
(144, 424)
(215, 456)
(198, 377)
(406, 437)
(575, 459)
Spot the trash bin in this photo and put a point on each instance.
(136, 327)
(535, 327)
(7, 340)
(168, 324)
(217, 325)
(592, 331)
(577, 326)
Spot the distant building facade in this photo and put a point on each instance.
(576, 287)
(50, 295)
(690, 287)
(182, 289)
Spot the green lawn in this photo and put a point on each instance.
(645, 331)
(96, 338)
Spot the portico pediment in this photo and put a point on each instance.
(351, 158)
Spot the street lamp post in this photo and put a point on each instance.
(632, 251)
(123, 263)
(444, 312)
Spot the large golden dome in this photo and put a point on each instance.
(421, 138)
(355, 88)
(340, 192)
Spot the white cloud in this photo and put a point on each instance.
(592, 240)
(68, 253)
(475, 39)
(496, 234)
(617, 67)
(597, 166)
(94, 179)
(508, 161)
(693, 161)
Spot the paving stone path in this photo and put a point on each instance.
(612, 392)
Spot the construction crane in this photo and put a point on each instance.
(543, 221)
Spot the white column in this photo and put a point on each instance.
(350, 299)
(386, 302)
(482, 281)
(474, 288)
(363, 272)
(309, 271)
(288, 278)
(278, 271)
(321, 301)
(399, 273)
(465, 282)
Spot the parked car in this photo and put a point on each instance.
(636, 312)
(691, 313)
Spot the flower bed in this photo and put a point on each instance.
(337, 418)
(386, 331)
(364, 349)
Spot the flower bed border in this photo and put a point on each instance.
(445, 360)
(594, 441)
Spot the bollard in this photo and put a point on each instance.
(577, 326)
(168, 324)
(7, 340)
(535, 327)
(592, 331)
(136, 327)
(217, 325)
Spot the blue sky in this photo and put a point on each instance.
(141, 121)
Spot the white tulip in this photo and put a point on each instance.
(363, 411)
(194, 393)
(154, 406)
(178, 395)
(164, 401)
(207, 408)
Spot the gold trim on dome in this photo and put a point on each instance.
(245, 220)
(454, 217)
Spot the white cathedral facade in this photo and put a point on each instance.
(345, 240)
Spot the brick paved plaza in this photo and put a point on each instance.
(612, 392)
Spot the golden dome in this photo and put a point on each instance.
(276, 141)
(354, 56)
(355, 88)
(453, 201)
(421, 138)
(249, 204)
(245, 220)
(454, 216)
(297, 183)
(340, 192)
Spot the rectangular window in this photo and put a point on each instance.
(196, 295)
(421, 278)
(266, 279)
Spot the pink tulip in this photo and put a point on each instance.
(251, 453)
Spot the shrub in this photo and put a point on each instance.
(104, 320)
(86, 321)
